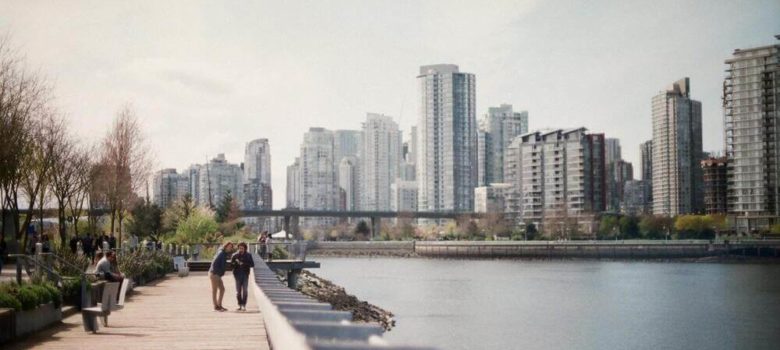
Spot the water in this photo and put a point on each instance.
(461, 304)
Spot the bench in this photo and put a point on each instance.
(89, 315)
(120, 303)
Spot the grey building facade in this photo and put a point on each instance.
(447, 139)
(677, 151)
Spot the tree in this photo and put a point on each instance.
(608, 227)
(227, 209)
(23, 108)
(146, 220)
(199, 227)
(694, 227)
(629, 226)
(362, 231)
(64, 180)
(178, 212)
(531, 232)
(655, 227)
(495, 224)
(83, 168)
(125, 157)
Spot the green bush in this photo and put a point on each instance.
(44, 297)
(28, 297)
(279, 253)
(54, 294)
(9, 301)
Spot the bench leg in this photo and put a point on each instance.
(90, 323)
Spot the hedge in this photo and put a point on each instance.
(28, 296)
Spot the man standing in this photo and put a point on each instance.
(216, 271)
(112, 241)
(74, 244)
(242, 262)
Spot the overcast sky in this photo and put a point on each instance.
(206, 77)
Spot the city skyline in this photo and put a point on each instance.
(196, 102)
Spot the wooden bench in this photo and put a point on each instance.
(89, 315)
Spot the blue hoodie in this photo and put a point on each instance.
(219, 262)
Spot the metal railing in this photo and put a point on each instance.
(43, 261)
(296, 321)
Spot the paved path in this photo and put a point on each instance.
(175, 313)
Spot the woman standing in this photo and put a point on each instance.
(242, 262)
(216, 271)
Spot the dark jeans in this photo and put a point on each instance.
(263, 251)
(242, 285)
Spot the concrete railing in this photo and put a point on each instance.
(297, 322)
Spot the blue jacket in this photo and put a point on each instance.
(219, 262)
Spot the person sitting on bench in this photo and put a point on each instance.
(105, 268)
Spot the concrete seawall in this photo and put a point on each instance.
(640, 250)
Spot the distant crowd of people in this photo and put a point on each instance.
(90, 244)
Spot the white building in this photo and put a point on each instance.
(677, 152)
(257, 175)
(294, 184)
(168, 187)
(403, 195)
(555, 174)
(380, 158)
(217, 179)
(319, 187)
(752, 124)
(497, 130)
(349, 175)
(447, 139)
(491, 199)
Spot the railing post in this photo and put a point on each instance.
(85, 298)
(38, 259)
(19, 269)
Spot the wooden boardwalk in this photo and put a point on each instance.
(175, 313)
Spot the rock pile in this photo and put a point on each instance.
(327, 292)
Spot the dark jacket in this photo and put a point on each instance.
(242, 263)
(219, 262)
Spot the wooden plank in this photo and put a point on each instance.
(175, 313)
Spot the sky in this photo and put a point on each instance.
(206, 77)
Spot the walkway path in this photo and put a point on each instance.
(176, 313)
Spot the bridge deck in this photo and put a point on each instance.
(173, 314)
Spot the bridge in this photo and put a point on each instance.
(292, 216)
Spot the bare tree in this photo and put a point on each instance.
(38, 162)
(66, 180)
(128, 164)
(23, 114)
(82, 165)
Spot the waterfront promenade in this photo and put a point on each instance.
(174, 313)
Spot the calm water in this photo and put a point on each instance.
(457, 304)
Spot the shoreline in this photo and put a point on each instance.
(730, 259)
(637, 250)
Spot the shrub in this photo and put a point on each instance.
(54, 294)
(279, 253)
(9, 301)
(44, 297)
(28, 297)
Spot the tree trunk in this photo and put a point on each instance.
(113, 217)
(62, 224)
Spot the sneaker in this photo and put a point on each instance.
(222, 308)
